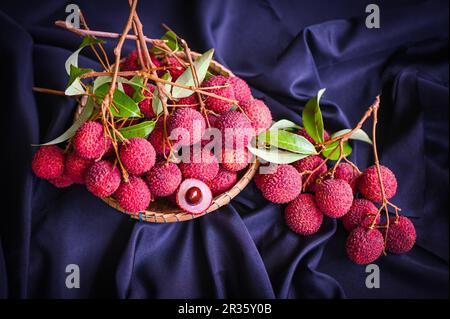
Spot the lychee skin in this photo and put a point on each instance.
(176, 69)
(334, 197)
(214, 104)
(146, 105)
(361, 213)
(76, 167)
(364, 245)
(305, 134)
(283, 185)
(190, 101)
(309, 164)
(369, 186)
(203, 167)
(241, 89)
(259, 115)
(138, 155)
(260, 176)
(346, 172)
(401, 235)
(133, 196)
(131, 62)
(103, 179)
(156, 138)
(236, 129)
(186, 126)
(163, 179)
(48, 162)
(62, 181)
(223, 181)
(235, 159)
(90, 142)
(205, 201)
(303, 216)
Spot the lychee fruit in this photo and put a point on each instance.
(186, 126)
(241, 89)
(263, 172)
(302, 132)
(61, 181)
(90, 141)
(175, 68)
(191, 101)
(156, 138)
(131, 62)
(133, 196)
(236, 129)
(283, 185)
(369, 186)
(401, 235)
(346, 172)
(201, 165)
(309, 164)
(303, 216)
(48, 162)
(103, 179)
(235, 159)
(334, 197)
(76, 167)
(361, 213)
(146, 105)
(163, 179)
(214, 104)
(259, 115)
(194, 196)
(223, 181)
(137, 155)
(364, 245)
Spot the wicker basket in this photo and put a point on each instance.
(164, 212)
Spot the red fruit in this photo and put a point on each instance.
(175, 68)
(236, 129)
(201, 165)
(61, 181)
(194, 196)
(369, 186)
(364, 245)
(334, 197)
(191, 101)
(163, 179)
(76, 167)
(305, 134)
(303, 216)
(242, 92)
(90, 141)
(361, 213)
(102, 179)
(215, 104)
(138, 155)
(235, 159)
(263, 172)
(48, 162)
(131, 62)
(186, 126)
(133, 196)
(309, 164)
(346, 172)
(283, 185)
(259, 115)
(223, 181)
(146, 105)
(401, 235)
(156, 138)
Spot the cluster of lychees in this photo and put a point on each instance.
(339, 192)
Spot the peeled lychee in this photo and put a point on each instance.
(364, 245)
(259, 115)
(303, 216)
(163, 179)
(103, 179)
(146, 105)
(235, 159)
(361, 213)
(201, 165)
(186, 126)
(223, 181)
(401, 235)
(305, 134)
(90, 141)
(156, 138)
(214, 104)
(133, 196)
(194, 196)
(76, 167)
(236, 129)
(308, 164)
(283, 185)
(48, 162)
(334, 197)
(346, 172)
(369, 186)
(137, 155)
(241, 89)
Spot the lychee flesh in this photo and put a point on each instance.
(186, 126)
(223, 181)
(303, 216)
(203, 200)
(241, 89)
(236, 129)
(259, 115)
(334, 197)
(103, 179)
(156, 138)
(163, 179)
(310, 163)
(90, 141)
(364, 245)
(235, 159)
(283, 185)
(137, 155)
(201, 165)
(369, 186)
(401, 235)
(361, 213)
(48, 162)
(133, 196)
(76, 167)
(302, 132)
(346, 172)
(214, 104)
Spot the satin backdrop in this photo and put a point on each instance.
(286, 50)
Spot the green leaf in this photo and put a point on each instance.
(171, 41)
(312, 118)
(288, 141)
(88, 40)
(277, 156)
(124, 106)
(284, 124)
(99, 81)
(359, 135)
(329, 150)
(84, 116)
(75, 72)
(201, 65)
(157, 105)
(139, 130)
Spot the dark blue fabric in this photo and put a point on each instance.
(286, 50)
